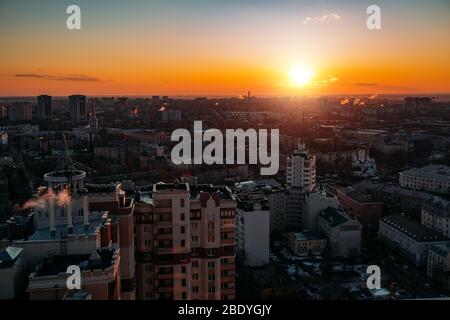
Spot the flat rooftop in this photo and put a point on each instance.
(412, 229)
(309, 235)
(59, 264)
(61, 230)
(439, 172)
(334, 216)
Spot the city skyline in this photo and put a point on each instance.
(211, 48)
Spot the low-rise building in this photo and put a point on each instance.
(314, 203)
(434, 178)
(342, 232)
(307, 243)
(438, 267)
(99, 276)
(436, 215)
(362, 204)
(411, 239)
(12, 273)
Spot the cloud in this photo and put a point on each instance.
(70, 77)
(322, 19)
(330, 79)
(366, 84)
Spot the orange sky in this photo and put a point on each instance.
(222, 53)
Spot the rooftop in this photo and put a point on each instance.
(58, 264)
(333, 216)
(309, 235)
(61, 231)
(434, 171)
(412, 229)
(442, 249)
(9, 255)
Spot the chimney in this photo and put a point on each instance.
(51, 208)
(85, 211)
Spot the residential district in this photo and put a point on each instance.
(89, 182)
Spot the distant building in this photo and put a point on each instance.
(171, 115)
(252, 233)
(436, 215)
(155, 100)
(438, 266)
(363, 166)
(12, 273)
(434, 178)
(342, 232)
(277, 205)
(78, 108)
(307, 243)
(314, 203)
(122, 103)
(301, 169)
(411, 239)
(44, 107)
(362, 204)
(300, 180)
(20, 112)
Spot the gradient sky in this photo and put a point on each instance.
(196, 47)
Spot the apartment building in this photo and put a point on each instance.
(411, 239)
(253, 232)
(185, 245)
(436, 215)
(434, 178)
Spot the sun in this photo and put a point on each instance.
(301, 75)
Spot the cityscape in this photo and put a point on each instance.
(327, 181)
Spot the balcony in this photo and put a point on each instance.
(164, 276)
(228, 241)
(164, 250)
(227, 291)
(164, 223)
(227, 277)
(227, 266)
(164, 236)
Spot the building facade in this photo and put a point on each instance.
(434, 178)
(343, 233)
(185, 247)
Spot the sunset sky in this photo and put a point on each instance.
(194, 47)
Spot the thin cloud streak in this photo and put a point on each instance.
(71, 77)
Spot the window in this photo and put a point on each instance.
(183, 282)
(183, 269)
(195, 289)
(211, 277)
(183, 243)
(211, 265)
(195, 264)
(182, 217)
(183, 296)
(183, 230)
(195, 276)
(182, 203)
(212, 289)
